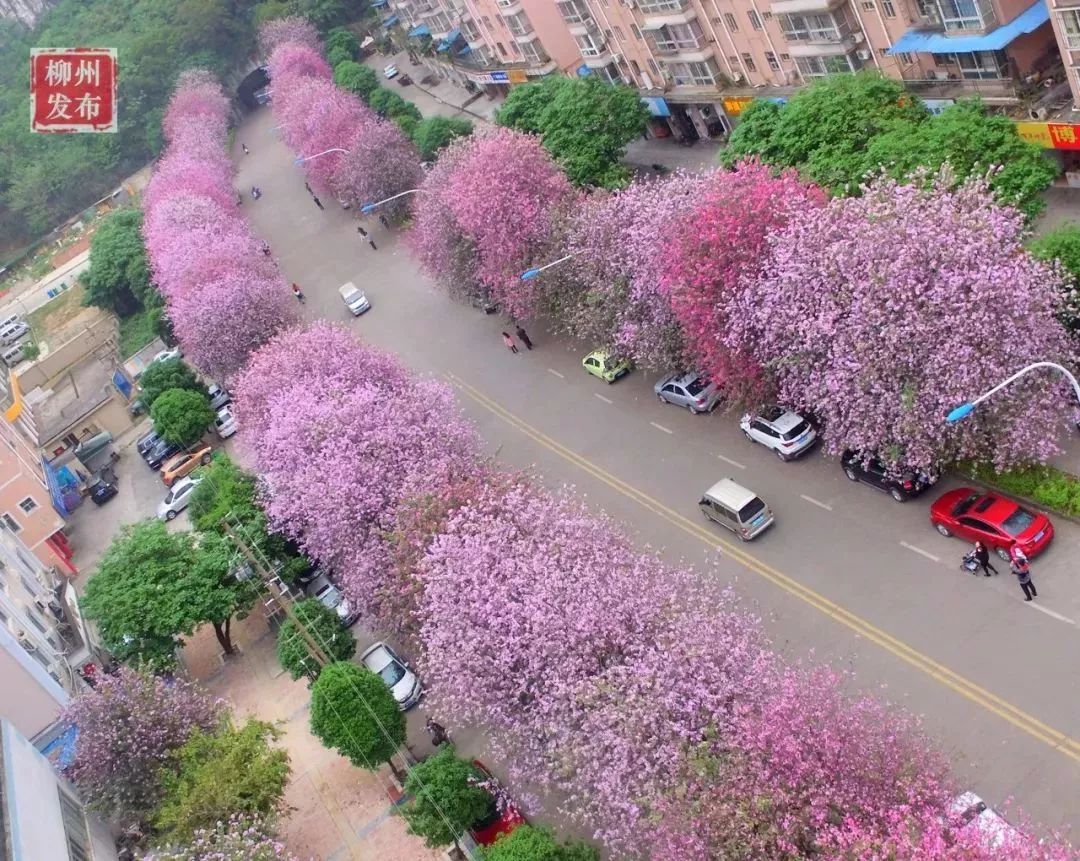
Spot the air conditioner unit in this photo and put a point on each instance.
(25, 641)
(863, 54)
(737, 77)
(858, 37)
(1038, 113)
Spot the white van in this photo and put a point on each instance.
(736, 508)
(354, 298)
(13, 332)
(13, 355)
(8, 320)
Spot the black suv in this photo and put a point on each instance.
(160, 453)
(869, 470)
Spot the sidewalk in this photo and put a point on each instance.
(336, 811)
(439, 98)
(58, 280)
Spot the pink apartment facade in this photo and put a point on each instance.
(698, 63)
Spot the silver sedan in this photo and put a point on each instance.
(689, 389)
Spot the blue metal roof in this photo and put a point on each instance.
(924, 42)
(451, 37)
(419, 30)
(391, 21)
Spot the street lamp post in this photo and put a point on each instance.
(368, 208)
(964, 410)
(529, 274)
(300, 159)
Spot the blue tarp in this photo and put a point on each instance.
(391, 21)
(925, 42)
(451, 37)
(419, 30)
(378, 4)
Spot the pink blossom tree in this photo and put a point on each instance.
(369, 443)
(238, 839)
(381, 162)
(127, 726)
(289, 29)
(291, 60)
(870, 319)
(499, 195)
(718, 246)
(610, 295)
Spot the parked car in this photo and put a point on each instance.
(330, 597)
(484, 304)
(13, 332)
(177, 499)
(970, 811)
(608, 368)
(504, 816)
(395, 673)
(390, 71)
(870, 470)
(995, 520)
(225, 423)
(354, 298)
(161, 453)
(219, 397)
(147, 442)
(786, 433)
(165, 355)
(688, 389)
(102, 491)
(184, 463)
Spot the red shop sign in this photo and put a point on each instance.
(73, 89)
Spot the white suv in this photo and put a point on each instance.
(788, 434)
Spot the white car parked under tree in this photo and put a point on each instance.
(786, 433)
(178, 497)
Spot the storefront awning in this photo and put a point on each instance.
(419, 30)
(451, 37)
(924, 42)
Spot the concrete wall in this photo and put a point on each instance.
(96, 335)
(32, 698)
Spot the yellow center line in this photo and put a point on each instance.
(966, 688)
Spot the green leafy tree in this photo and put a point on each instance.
(162, 376)
(584, 123)
(335, 56)
(445, 798)
(433, 133)
(151, 587)
(825, 128)
(231, 772)
(353, 712)
(971, 141)
(1062, 246)
(528, 843)
(181, 416)
(356, 79)
(342, 38)
(325, 628)
(326, 14)
(118, 276)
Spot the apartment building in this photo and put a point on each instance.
(698, 63)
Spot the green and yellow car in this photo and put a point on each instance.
(608, 368)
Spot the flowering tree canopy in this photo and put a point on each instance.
(238, 839)
(870, 320)
(224, 297)
(498, 195)
(289, 29)
(612, 295)
(127, 727)
(381, 162)
(719, 245)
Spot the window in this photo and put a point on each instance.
(655, 69)
(785, 57)
(636, 66)
(71, 813)
(703, 74)
(502, 49)
(634, 29)
(906, 58)
(589, 46)
(818, 67)
(28, 504)
(810, 28)
(981, 65)
(755, 19)
(619, 34)
(678, 37)
(868, 5)
(534, 53)
(649, 6)
(733, 61)
(732, 24)
(963, 15)
(1070, 26)
(573, 11)
(10, 522)
(748, 61)
(610, 74)
(889, 8)
(518, 24)
(770, 58)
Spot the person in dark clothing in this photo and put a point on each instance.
(309, 191)
(523, 338)
(361, 231)
(243, 146)
(318, 202)
(383, 221)
(437, 731)
(982, 556)
(1022, 569)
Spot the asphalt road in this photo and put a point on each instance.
(846, 575)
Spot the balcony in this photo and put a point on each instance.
(650, 8)
(661, 18)
(509, 7)
(802, 7)
(687, 54)
(993, 90)
(842, 38)
(582, 27)
(598, 61)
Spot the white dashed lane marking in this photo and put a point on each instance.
(813, 501)
(605, 400)
(556, 373)
(734, 463)
(920, 551)
(660, 427)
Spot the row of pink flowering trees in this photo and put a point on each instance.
(224, 296)
(348, 151)
(639, 694)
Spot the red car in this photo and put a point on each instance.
(504, 816)
(995, 520)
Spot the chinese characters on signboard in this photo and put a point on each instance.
(1050, 135)
(735, 105)
(73, 89)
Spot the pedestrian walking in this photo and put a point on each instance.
(523, 337)
(243, 146)
(982, 556)
(265, 248)
(309, 191)
(296, 292)
(1022, 569)
(510, 345)
(437, 731)
(318, 202)
(361, 231)
(383, 221)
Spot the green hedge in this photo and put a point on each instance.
(1045, 485)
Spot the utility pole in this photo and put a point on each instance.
(284, 601)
